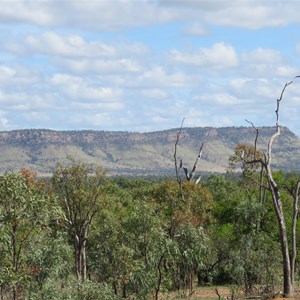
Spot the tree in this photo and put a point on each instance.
(185, 223)
(26, 209)
(79, 189)
(265, 161)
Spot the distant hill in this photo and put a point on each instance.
(139, 153)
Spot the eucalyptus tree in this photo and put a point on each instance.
(27, 207)
(80, 191)
(268, 182)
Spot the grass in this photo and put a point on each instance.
(203, 293)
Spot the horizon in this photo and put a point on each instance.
(145, 132)
(104, 65)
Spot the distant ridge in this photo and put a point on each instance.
(134, 153)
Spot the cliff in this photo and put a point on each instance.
(139, 153)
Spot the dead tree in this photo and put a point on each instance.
(179, 166)
(188, 175)
(288, 253)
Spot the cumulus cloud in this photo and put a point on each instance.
(196, 29)
(37, 12)
(78, 89)
(100, 66)
(220, 55)
(235, 13)
(262, 62)
(96, 15)
(104, 63)
(51, 43)
(220, 99)
(245, 87)
(156, 94)
(3, 120)
(120, 14)
(261, 55)
(18, 76)
(159, 77)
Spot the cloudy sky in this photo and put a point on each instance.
(144, 65)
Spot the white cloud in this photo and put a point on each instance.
(252, 15)
(37, 12)
(51, 43)
(157, 94)
(92, 106)
(267, 62)
(35, 116)
(120, 14)
(96, 15)
(18, 76)
(90, 65)
(158, 77)
(3, 119)
(220, 99)
(247, 88)
(78, 89)
(236, 13)
(220, 55)
(286, 71)
(264, 56)
(196, 29)
(100, 66)
(27, 100)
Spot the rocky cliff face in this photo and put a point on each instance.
(138, 153)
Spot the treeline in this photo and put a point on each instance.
(82, 235)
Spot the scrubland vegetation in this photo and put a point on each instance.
(83, 235)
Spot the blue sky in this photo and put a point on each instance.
(137, 65)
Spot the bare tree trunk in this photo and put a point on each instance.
(83, 260)
(80, 256)
(288, 289)
(77, 256)
(294, 224)
(287, 257)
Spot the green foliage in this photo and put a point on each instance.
(80, 191)
(27, 208)
(246, 249)
(71, 289)
(143, 238)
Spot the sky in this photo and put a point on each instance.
(144, 65)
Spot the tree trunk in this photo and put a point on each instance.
(288, 289)
(294, 228)
(83, 260)
(77, 256)
(159, 279)
(80, 256)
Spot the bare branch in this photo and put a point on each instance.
(256, 137)
(277, 133)
(175, 152)
(180, 163)
(191, 176)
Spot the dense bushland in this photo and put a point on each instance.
(82, 235)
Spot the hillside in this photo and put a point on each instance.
(138, 153)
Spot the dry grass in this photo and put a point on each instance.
(209, 293)
(203, 293)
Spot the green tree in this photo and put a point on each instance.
(80, 191)
(27, 207)
(268, 182)
(244, 244)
